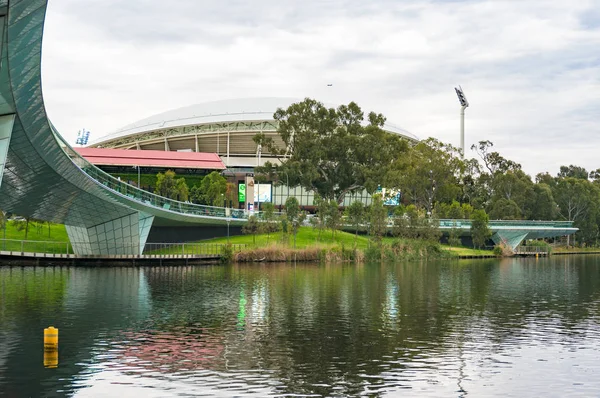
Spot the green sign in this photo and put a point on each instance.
(242, 193)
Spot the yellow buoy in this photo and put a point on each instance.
(50, 338)
(51, 358)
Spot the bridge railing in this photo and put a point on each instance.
(531, 250)
(25, 247)
(143, 196)
(466, 223)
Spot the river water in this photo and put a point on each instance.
(511, 327)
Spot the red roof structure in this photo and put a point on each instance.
(147, 158)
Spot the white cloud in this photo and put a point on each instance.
(530, 69)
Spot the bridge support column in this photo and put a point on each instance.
(6, 127)
(125, 235)
(511, 238)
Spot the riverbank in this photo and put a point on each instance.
(312, 246)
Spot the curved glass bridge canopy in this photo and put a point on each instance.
(44, 178)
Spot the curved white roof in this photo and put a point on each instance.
(241, 109)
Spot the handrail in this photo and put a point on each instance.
(141, 195)
(531, 249)
(466, 223)
(149, 249)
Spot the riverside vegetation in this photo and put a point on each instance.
(283, 238)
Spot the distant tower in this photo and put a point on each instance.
(463, 105)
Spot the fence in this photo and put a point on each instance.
(531, 250)
(155, 250)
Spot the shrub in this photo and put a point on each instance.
(226, 253)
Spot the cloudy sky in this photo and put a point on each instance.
(529, 68)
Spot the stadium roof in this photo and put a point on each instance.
(242, 109)
(146, 158)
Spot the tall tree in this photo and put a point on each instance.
(432, 173)
(330, 151)
(577, 201)
(294, 215)
(252, 226)
(545, 206)
(355, 213)
(512, 194)
(322, 209)
(334, 217)
(480, 231)
(170, 187)
(213, 189)
(378, 217)
(492, 160)
(573, 171)
(268, 218)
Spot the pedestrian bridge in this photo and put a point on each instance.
(513, 232)
(44, 178)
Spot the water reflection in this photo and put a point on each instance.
(458, 328)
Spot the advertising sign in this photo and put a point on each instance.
(262, 193)
(241, 193)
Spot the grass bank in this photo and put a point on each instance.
(40, 237)
(339, 247)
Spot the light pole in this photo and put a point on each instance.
(138, 171)
(463, 105)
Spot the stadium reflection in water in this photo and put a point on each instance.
(509, 327)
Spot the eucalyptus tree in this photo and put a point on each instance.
(213, 189)
(512, 195)
(545, 207)
(378, 218)
(432, 173)
(578, 201)
(170, 187)
(331, 152)
(294, 216)
(480, 231)
(355, 214)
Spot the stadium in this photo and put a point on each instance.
(225, 128)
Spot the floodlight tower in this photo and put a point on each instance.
(463, 105)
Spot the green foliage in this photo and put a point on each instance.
(334, 217)
(513, 195)
(149, 180)
(213, 189)
(498, 251)
(573, 171)
(22, 224)
(355, 213)
(322, 209)
(268, 218)
(454, 237)
(400, 222)
(539, 243)
(252, 226)
(169, 187)
(545, 206)
(374, 253)
(455, 211)
(3, 219)
(467, 210)
(295, 217)
(378, 218)
(331, 151)
(430, 174)
(226, 254)
(505, 209)
(480, 231)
